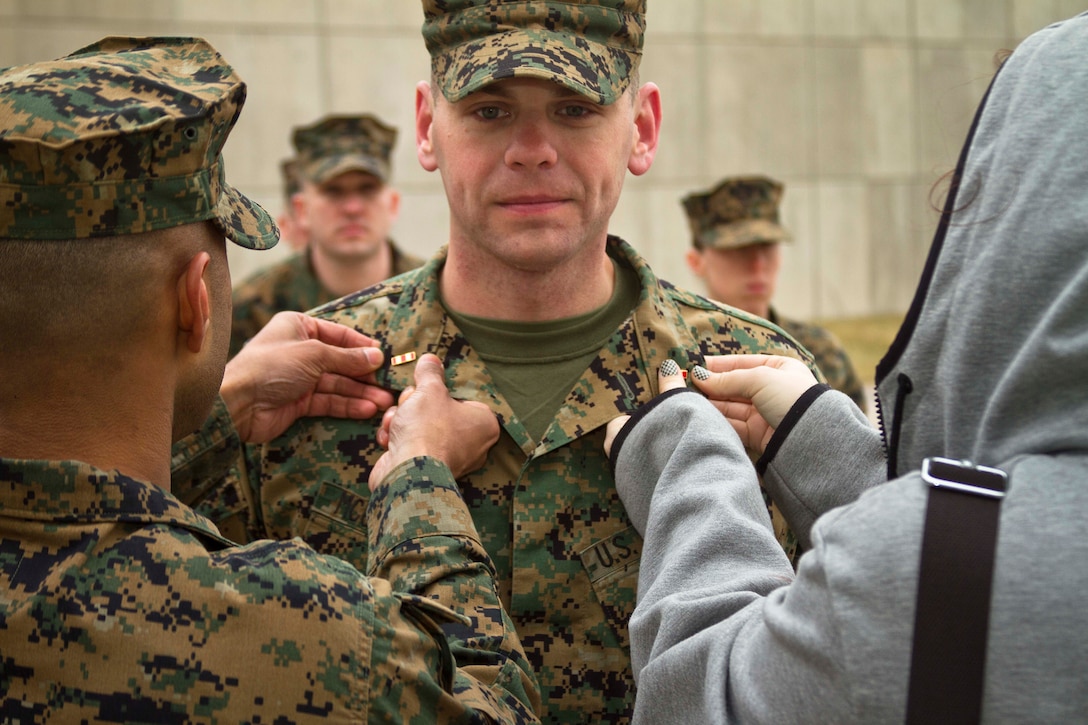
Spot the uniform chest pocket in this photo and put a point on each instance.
(612, 567)
(334, 523)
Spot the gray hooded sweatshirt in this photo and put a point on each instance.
(991, 365)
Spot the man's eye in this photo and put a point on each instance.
(489, 113)
(575, 111)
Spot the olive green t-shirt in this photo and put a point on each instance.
(535, 364)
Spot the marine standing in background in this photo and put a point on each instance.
(534, 117)
(344, 208)
(735, 237)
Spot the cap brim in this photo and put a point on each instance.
(244, 221)
(743, 233)
(588, 68)
(329, 167)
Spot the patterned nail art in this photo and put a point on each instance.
(700, 373)
(670, 368)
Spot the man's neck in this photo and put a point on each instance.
(484, 287)
(88, 420)
(343, 276)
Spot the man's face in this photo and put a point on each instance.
(743, 277)
(347, 217)
(532, 170)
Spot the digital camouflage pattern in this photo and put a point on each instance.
(547, 511)
(735, 213)
(589, 46)
(336, 144)
(829, 354)
(289, 285)
(121, 137)
(120, 604)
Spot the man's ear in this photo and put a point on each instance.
(695, 261)
(394, 204)
(194, 310)
(298, 206)
(425, 103)
(647, 129)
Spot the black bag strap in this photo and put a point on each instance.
(954, 580)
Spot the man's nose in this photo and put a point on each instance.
(531, 145)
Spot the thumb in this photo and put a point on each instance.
(739, 384)
(770, 389)
(356, 362)
(328, 356)
(429, 371)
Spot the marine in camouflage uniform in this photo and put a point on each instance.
(547, 511)
(325, 149)
(545, 503)
(119, 603)
(739, 217)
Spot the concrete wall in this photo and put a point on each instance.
(859, 106)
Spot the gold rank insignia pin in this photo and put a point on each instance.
(402, 359)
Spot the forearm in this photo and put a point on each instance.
(701, 644)
(423, 541)
(825, 454)
(703, 497)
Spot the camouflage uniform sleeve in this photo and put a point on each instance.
(208, 470)
(423, 541)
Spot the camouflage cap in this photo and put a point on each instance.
(592, 47)
(121, 137)
(336, 144)
(737, 212)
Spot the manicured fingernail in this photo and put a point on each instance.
(670, 368)
(700, 373)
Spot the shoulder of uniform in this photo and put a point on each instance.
(265, 559)
(694, 306)
(720, 329)
(807, 331)
(372, 302)
(687, 298)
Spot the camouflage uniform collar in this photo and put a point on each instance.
(77, 492)
(625, 371)
(622, 377)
